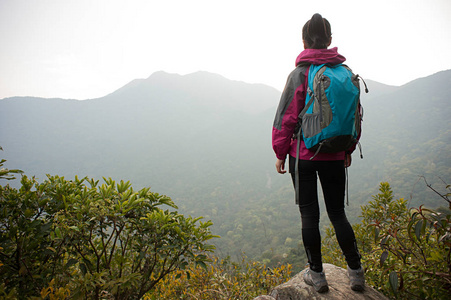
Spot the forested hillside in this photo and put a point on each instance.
(205, 141)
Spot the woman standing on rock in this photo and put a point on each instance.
(329, 167)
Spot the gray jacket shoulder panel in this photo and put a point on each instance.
(295, 79)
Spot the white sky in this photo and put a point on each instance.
(83, 49)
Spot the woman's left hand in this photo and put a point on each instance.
(280, 166)
(348, 160)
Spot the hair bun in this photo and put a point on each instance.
(317, 18)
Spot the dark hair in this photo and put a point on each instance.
(316, 32)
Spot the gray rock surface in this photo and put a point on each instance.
(337, 278)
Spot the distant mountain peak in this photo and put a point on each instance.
(162, 74)
(198, 88)
(198, 75)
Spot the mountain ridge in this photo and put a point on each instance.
(161, 73)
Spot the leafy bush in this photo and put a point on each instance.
(221, 279)
(92, 240)
(406, 252)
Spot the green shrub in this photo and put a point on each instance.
(406, 252)
(94, 240)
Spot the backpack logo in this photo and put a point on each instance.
(330, 121)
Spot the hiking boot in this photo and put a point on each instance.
(317, 280)
(357, 279)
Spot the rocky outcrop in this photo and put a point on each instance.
(337, 278)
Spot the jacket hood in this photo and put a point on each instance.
(320, 56)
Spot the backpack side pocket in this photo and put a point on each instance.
(311, 125)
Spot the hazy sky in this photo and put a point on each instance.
(84, 49)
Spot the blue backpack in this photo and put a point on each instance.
(330, 121)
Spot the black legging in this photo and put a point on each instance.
(333, 179)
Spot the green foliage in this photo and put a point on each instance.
(92, 240)
(221, 279)
(406, 253)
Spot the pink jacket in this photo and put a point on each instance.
(292, 102)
